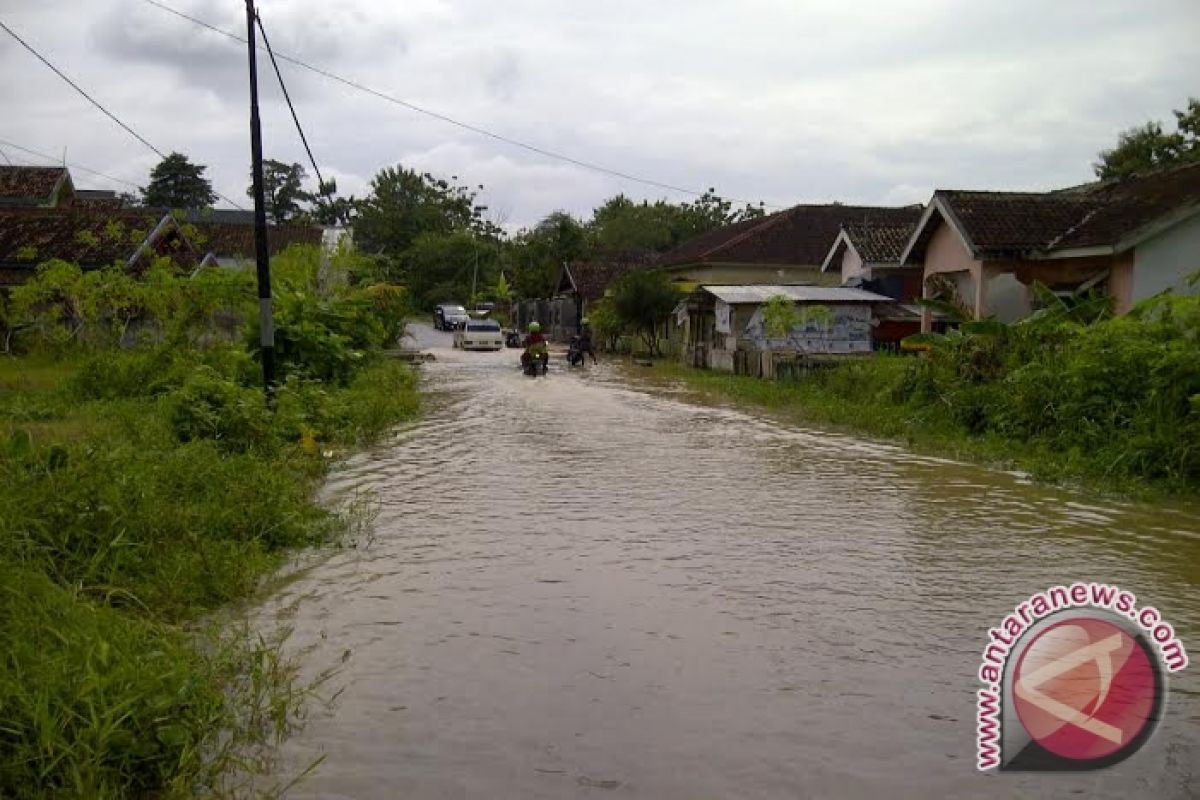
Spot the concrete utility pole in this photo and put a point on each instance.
(261, 250)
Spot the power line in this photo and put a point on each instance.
(77, 88)
(442, 117)
(287, 97)
(7, 160)
(58, 160)
(97, 103)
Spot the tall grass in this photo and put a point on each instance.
(1114, 405)
(141, 491)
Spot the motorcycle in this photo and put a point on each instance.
(574, 353)
(534, 365)
(512, 339)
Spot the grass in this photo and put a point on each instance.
(862, 398)
(124, 524)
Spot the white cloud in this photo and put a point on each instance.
(868, 101)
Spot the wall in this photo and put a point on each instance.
(1165, 261)
(847, 331)
(852, 265)
(947, 255)
(1006, 297)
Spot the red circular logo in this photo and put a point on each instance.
(1085, 688)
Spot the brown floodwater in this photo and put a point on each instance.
(589, 585)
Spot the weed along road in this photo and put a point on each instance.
(595, 585)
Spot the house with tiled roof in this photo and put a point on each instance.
(43, 216)
(788, 246)
(869, 253)
(1132, 238)
(90, 238)
(40, 187)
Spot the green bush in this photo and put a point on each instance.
(209, 406)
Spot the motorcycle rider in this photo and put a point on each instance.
(585, 341)
(535, 346)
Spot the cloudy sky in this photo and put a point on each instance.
(783, 101)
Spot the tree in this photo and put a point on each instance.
(780, 316)
(328, 208)
(178, 183)
(1150, 147)
(605, 323)
(438, 267)
(643, 299)
(283, 189)
(539, 253)
(404, 204)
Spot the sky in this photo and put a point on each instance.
(778, 101)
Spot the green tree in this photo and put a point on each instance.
(780, 316)
(283, 189)
(1150, 147)
(178, 183)
(404, 204)
(539, 253)
(643, 299)
(437, 267)
(606, 323)
(328, 208)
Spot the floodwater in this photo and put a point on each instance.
(590, 586)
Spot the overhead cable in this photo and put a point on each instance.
(442, 117)
(58, 160)
(79, 89)
(287, 97)
(97, 103)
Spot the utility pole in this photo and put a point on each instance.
(474, 273)
(261, 250)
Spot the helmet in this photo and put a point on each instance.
(583, 321)
(534, 327)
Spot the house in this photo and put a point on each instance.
(35, 187)
(90, 238)
(43, 216)
(582, 284)
(789, 246)
(1131, 238)
(724, 327)
(867, 256)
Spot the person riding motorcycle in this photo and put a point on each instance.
(581, 345)
(535, 347)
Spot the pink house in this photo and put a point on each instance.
(1132, 238)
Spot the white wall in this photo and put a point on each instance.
(1166, 260)
(852, 265)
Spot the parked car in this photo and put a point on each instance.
(449, 316)
(479, 334)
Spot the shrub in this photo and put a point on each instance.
(210, 406)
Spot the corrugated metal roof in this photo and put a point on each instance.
(801, 294)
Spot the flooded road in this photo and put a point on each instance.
(579, 586)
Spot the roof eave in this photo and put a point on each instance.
(842, 239)
(938, 203)
(1155, 227)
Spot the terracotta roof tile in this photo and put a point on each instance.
(592, 278)
(883, 243)
(798, 235)
(28, 185)
(1124, 207)
(84, 236)
(237, 241)
(1018, 224)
